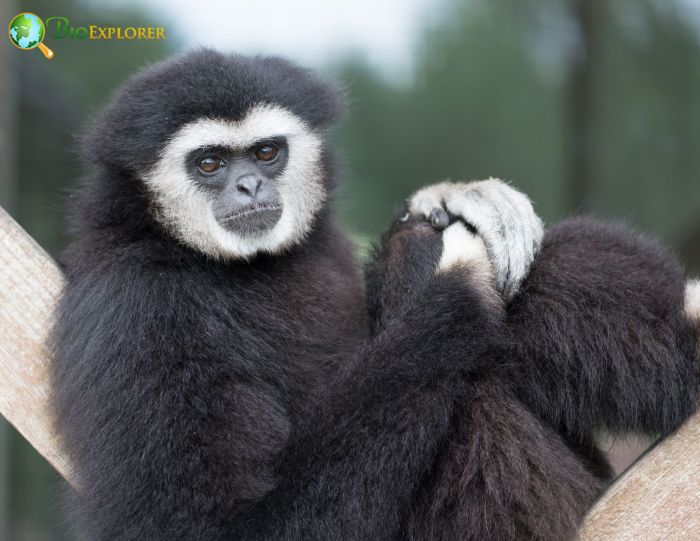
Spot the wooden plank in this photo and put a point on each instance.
(30, 283)
(658, 498)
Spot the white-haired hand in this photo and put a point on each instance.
(501, 215)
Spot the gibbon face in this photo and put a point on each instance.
(232, 189)
(231, 150)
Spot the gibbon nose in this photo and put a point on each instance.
(249, 185)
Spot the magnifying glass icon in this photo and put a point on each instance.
(27, 32)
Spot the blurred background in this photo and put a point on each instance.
(586, 105)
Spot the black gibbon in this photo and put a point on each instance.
(217, 373)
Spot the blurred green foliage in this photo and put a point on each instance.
(492, 97)
(508, 88)
(54, 99)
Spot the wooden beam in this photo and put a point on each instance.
(656, 499)
(30, 283)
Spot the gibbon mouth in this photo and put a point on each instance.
(252, 219)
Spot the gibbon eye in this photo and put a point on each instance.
(210, 164)
(266, 152)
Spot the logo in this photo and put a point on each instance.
(27, 32)
(63, 29)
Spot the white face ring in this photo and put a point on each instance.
(185, 210)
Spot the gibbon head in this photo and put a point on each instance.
(231, 149)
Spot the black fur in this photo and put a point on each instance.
(600, 337)
(597, 339)
(228, 400)
(355, 467)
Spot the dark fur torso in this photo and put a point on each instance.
(189, 353)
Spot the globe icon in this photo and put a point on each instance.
(27, 32)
